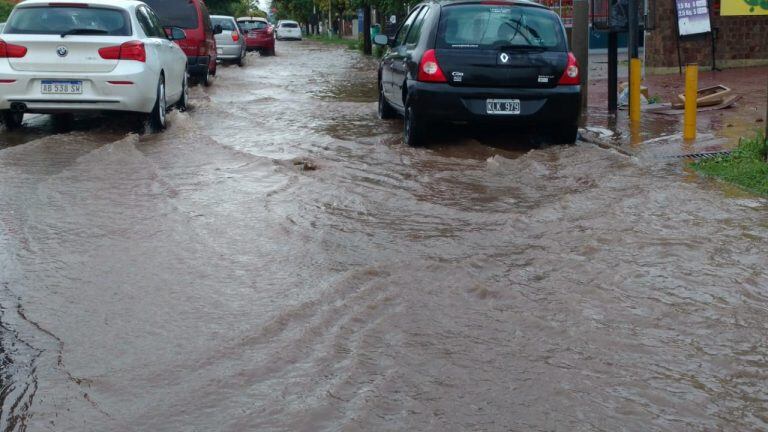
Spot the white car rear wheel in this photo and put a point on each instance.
(183, 102)
(12, 119)
(157, 119)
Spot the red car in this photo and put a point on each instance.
(199, 44)
(259, 34)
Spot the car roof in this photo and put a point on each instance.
(222, 16)
(253, 19)
(112, 3)
(492, 2)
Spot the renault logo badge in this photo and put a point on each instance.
(504, 57)
(62, 51)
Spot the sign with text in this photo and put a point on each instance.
(692, 17)
(743, 7)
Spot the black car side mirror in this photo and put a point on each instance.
(217, 29)
(175, 33)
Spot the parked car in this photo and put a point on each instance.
(230, 43)
(497, 63)
(259, 34)
(94, 55)
(199, 44)
(288, 30)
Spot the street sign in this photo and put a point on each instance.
(743, 7)
(692, 17)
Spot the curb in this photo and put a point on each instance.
(602, 142)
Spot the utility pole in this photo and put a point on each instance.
(580, 45)
(330, 25)
(633, 25)
(367, 48)
(613, 72)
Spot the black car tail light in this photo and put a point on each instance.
(571, 73)
(429, 68)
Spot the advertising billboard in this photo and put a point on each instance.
(743, 7)
(692, 17)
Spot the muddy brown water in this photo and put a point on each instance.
(203, 279)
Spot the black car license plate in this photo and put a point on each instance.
(502, 106)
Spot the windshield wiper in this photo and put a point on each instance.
(83, 31)
(522, 47)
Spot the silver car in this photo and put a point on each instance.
(230, 43)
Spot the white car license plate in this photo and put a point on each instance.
(502, 106)
(61, 87)
(219, 51)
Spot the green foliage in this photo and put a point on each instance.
(746, 166)
(352, 44)
(235, 8)
(5, 10)
(299, 10)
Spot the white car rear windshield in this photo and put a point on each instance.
(290, 25)
(500, 26)
(63, 20)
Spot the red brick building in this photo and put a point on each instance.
(741, 41)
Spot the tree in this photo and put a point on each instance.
(383, 7)
(5, 9)
(231, 7)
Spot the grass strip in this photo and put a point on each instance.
(334, 40)
(746, 166)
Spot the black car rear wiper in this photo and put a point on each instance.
(521, 47)
(84, 31)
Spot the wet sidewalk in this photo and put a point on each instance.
(660, 135)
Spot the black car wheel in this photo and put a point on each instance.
(565, 134)
(241, 60)
(206, 78)
(414, 128)
(12, 119)
(386, 112)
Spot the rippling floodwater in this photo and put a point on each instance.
(204, 279)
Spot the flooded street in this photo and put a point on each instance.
(278, 260)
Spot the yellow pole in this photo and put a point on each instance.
(691, 90)
(634, 90)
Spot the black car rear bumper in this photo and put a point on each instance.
(443, 102)
(198, 65)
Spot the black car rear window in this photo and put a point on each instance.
(175, 13)
(486, 26)
(290, 25)
(226, 23)
(252, 25)
(84, 21)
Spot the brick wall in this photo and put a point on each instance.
(742, 41)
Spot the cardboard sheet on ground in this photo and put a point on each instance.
(667, 109)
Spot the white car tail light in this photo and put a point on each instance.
(11, 51)
(132, 50)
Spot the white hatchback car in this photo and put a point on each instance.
(288, 30)
(95, 55)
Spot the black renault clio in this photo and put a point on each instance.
(495, 62)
